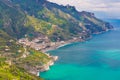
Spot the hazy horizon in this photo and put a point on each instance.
(108, 9)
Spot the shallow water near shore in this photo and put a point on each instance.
(96, 59)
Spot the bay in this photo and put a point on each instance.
(95, 59)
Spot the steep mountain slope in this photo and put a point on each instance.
(38, 18)
(60, 22)
(11, 19)
(11, 72)
(12, 54)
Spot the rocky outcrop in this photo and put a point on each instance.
(37, 69)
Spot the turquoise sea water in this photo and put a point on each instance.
(96, 59)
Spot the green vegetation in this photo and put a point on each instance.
(38, 18)
(11, 66)
(11, 19)
(11, 72)
(17, 18)
(39, 25)
(42, 15)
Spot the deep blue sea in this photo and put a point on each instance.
(95, 59)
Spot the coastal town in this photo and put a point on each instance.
(44, 44)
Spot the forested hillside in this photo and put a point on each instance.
(36, 18)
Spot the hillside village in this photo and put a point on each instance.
(44, 43)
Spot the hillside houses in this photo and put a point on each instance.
(37, 43)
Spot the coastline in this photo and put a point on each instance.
(61, 44)
(70, 42)
(38, 69)
(76, 39)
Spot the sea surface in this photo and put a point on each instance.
(95, 59)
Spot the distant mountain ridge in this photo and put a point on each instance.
(55, 21)
(39, 18)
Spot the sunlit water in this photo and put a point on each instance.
(96, 59)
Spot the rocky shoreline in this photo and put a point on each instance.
(52, 45)
(36, 71)
(33, 44)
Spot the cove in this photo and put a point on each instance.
(96, 59)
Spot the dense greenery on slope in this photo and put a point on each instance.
(33, 17)
(11, 19)
(12, 66)
(43, 15)
(20, 17)
(11, 72)
(11, 28)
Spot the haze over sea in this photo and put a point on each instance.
(95, 59)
